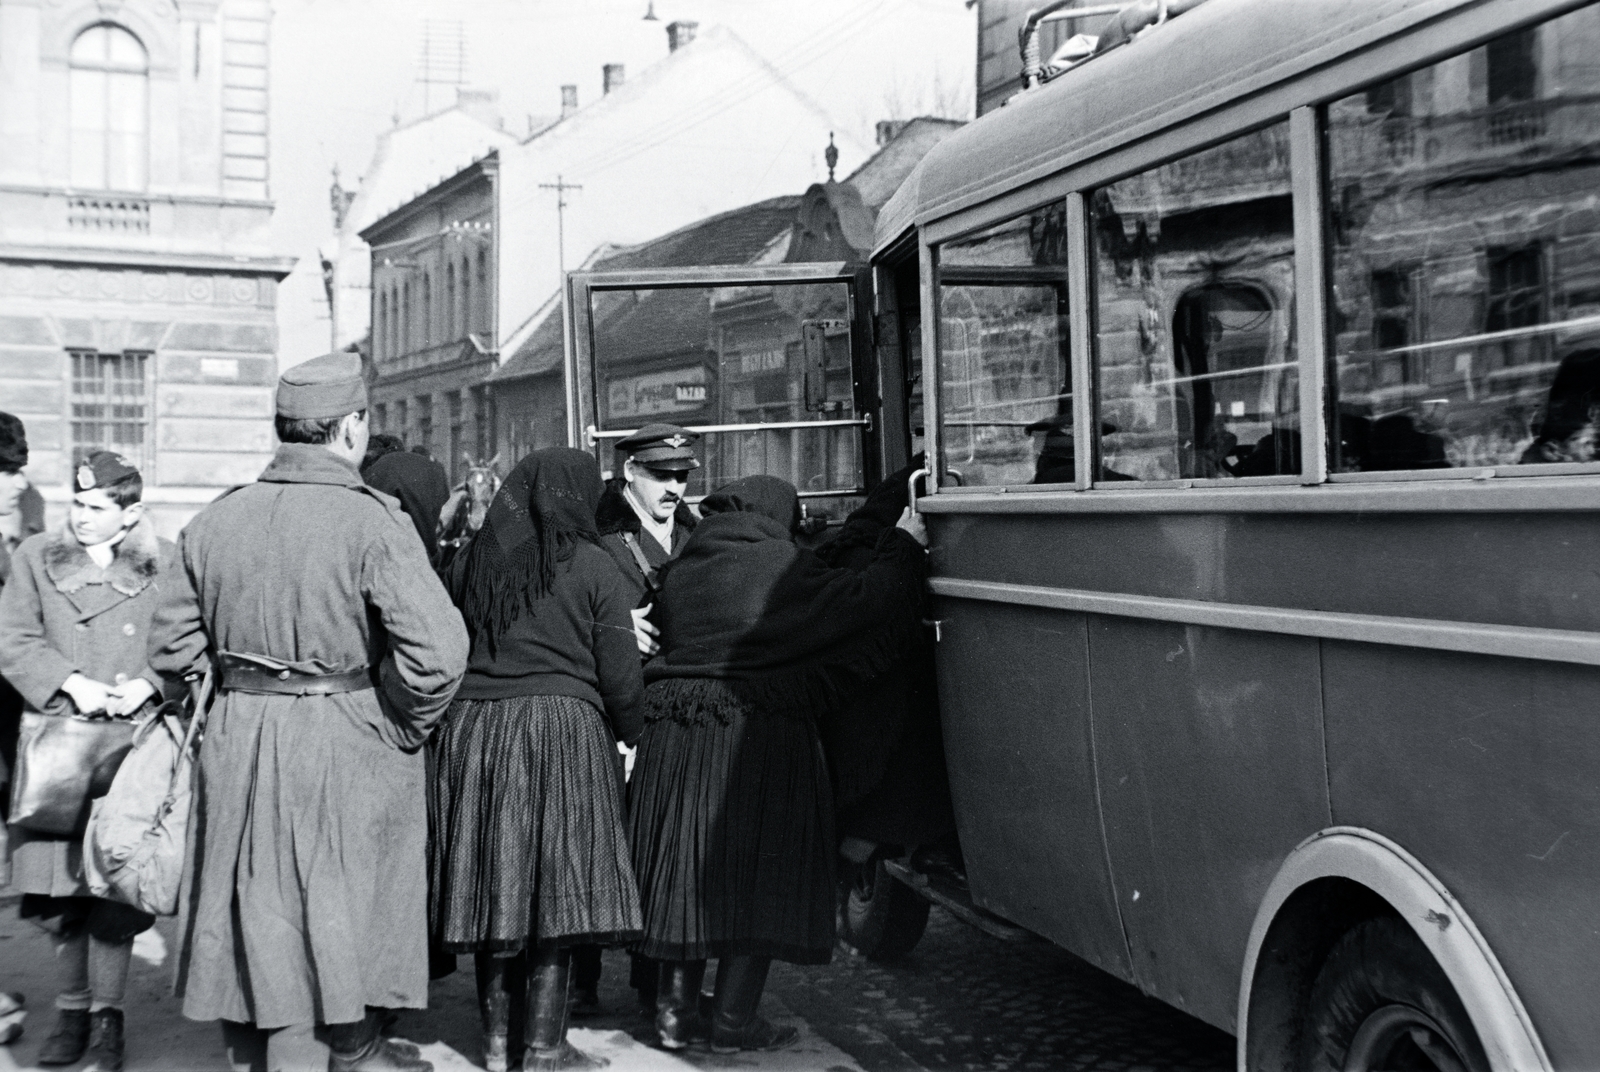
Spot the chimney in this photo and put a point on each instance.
(680, 33)
(889, 129)
(611, 76)
(569, 100)
(482, 104)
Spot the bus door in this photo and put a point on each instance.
(768, 363)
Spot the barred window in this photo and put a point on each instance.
(111, 405)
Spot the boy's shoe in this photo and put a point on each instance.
(105, 1041)
(68, 1041)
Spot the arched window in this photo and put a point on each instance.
(405, 318)
(110, 108)
(380, 331)
(450, 301)
(481, 312)
(394, 320)
(426, 334)
(464, 315)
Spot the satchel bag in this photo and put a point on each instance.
(134, 848)
(62, 762)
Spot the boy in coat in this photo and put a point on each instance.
(74, 623)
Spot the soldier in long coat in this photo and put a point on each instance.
(338, 649)
(21, 516)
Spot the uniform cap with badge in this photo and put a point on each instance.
(328, 386)
(103, 468)
(662, 446)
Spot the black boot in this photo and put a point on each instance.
(360, 1047)
(736, 1024)
(502, 996)
(678, 1019)
(549, 975)
(586, 969)
(105, 1041)
(68, 1041)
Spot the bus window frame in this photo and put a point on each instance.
(580, 370)
(1301, 95)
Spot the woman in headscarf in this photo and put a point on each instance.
(528, 856)
(732, 818)
(422, 488)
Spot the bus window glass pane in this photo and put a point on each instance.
(763, 354)
(1466, 299)
(1195, 344)
(1005, 391)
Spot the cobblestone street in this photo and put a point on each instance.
(962, 1000)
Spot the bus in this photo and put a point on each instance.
(1256, 361)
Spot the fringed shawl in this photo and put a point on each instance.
(545, 506)
(749, 620)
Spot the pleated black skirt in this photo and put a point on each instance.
(526, 843)
(731, 822)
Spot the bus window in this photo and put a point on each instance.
(1463, 230)
(1194, 275)
(1005, 392)
(739, 356)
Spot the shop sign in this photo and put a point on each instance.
(653, 393)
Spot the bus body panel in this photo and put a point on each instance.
(1023, 787)
(1490, 780)
(1451, 567)
(1209, 751)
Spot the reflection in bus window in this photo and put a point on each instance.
(1195, 329)
(735, 355)
(1467, 307)
(1004, 367)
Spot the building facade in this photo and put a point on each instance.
(433, 313)
(137, 287)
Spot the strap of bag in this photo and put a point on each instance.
(631, 539)
(200, 693)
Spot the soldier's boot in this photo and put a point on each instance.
(502, 991)
(360, 1047)
(66, 1043)
(736, 1023)
(549, 975)
(678, 1016)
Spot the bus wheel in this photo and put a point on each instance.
(882, 918)
(1381, 1002)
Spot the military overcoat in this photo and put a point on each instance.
(61, 614)
(310, 885)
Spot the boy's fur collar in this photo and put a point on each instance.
(615, 515)
(136, 564)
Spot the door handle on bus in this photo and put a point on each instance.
(937, 625)
(911, 487)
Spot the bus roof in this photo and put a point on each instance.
(1218, 53)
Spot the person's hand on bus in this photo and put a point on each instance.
(645, 631)
(912, 525)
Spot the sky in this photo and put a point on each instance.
(344, 70)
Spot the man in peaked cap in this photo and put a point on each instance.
(642, 518)
(643, 524)
(309, 906)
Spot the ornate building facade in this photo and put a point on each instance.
(137, 284)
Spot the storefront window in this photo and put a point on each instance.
(1195, 347)
(1465, 303)
(1005, 373)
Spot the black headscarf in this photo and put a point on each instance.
(422, 488)
(538, 516)
(747, 615)
(854, 542)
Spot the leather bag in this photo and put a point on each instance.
(63, 762)
(134, 849)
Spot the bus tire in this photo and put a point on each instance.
(882, 918)
(1380, 1001)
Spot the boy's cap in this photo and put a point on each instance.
(328, 386)
(13, 444)
(102, 468)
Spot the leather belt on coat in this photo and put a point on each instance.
(245, 675)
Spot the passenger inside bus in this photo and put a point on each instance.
(1566, 431)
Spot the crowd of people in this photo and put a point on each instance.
(599, 722)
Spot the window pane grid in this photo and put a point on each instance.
(110, 406)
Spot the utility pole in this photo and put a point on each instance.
(561, 186)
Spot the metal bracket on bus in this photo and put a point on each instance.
(911, 487)
(937, 625)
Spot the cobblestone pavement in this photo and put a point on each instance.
(962, 1000)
